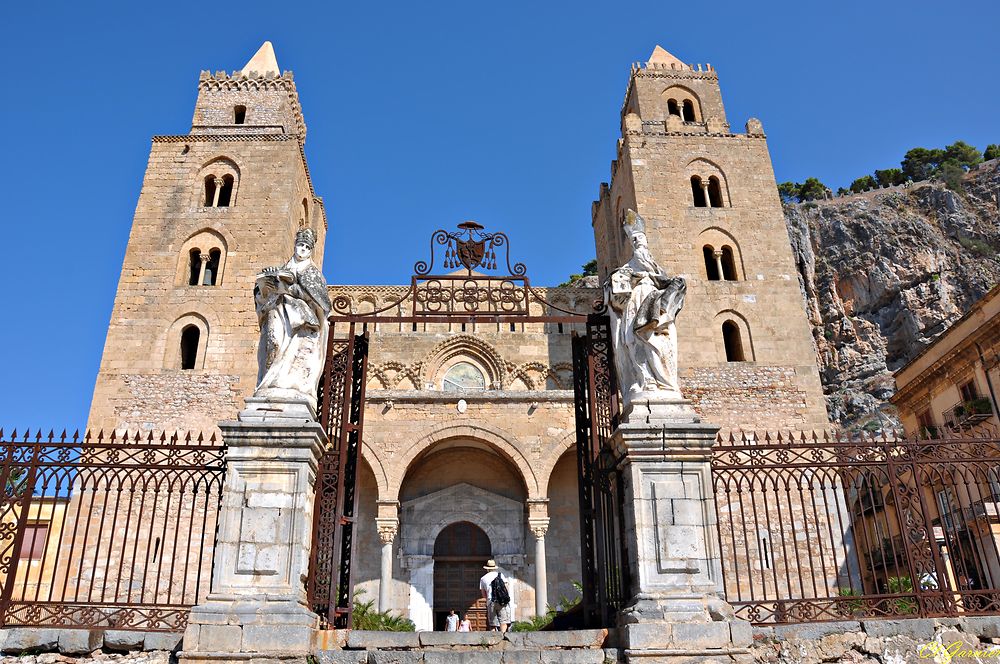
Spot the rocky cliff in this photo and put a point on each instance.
(884, 273)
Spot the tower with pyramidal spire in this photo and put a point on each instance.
(216, 204)
(713, 216)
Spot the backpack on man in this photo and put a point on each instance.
(498, 591)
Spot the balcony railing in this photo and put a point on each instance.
(969, 412)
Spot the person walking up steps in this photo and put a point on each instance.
(495, 588)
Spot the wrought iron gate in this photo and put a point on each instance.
(471, 299)
(341, 412)
(604, 559)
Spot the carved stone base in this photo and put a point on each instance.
(224, 630)
(257, 609)
(659, 408)
(676, 611)
(274, 408)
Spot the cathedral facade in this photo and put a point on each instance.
(469, 435)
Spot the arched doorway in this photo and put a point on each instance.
(460, 551)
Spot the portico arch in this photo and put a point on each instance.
(498, 440)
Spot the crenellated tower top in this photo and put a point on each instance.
(258, 99)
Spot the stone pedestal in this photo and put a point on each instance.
(676, 612)
(257, 609)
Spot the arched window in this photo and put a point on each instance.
(463, 376)
(210, 191)
(190, 336)
(734, 345)
(239, 114)
(688, 111)
(194, 264)
(714, 191)
(673, 108)
(711, 265)
(305, 214)
(221, 177)
(698, 192)
(226, 193)
(212, 268)
(728, 264)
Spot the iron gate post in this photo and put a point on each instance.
(258, 604)
(672, 542)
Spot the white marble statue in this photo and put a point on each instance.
(292, 308)
(644, 302)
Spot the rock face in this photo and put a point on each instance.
(884, 273)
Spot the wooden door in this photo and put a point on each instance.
(460, 551)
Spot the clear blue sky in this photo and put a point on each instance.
(424, 114)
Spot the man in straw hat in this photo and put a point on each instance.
(497, 612)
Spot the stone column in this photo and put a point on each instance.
(387, 529)
(538, 528)
(204, 258)
(218, 190)
(704, 188)
(258, 606)
(676, 605)
(718, 264)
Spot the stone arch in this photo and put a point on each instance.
(374, 461)
(719, 238)
(742, 325)
(464, 347)
(497, 439)
(224, 169)
(172, 347)
(705, 170)
(556, 452)
(204, 241)
(679, 94)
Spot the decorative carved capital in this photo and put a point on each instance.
(717, 253)
(219, 182)
(539, 527)
(387, 529)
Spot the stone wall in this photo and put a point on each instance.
(880, 641)
(140, 383)
(655, 160)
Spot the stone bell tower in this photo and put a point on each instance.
(217, 204)
(713, 216)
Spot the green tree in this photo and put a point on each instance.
(889, 177)
(589, 269)
(992, 151)
(789, 191)
(963, 154)
(843, 191)
(951, 172)
(812, 189)
(921, 163)
(863, 184)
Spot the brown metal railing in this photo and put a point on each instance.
(835, 527)
(113, 531)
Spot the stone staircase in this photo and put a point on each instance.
(592, 646)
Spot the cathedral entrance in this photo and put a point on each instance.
(460, 551)
(467, 301)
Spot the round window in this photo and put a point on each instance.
(463, 376)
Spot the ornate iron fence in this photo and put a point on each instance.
(832, 528)
(113, 531)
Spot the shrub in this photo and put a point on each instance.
(366, 618)
(900, 585)
(538, 623)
